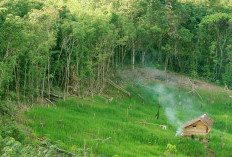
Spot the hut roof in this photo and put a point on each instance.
(204, 118)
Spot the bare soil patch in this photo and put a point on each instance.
(155, 75)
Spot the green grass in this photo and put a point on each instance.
(74, 121)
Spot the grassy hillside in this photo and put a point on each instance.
(128, 127)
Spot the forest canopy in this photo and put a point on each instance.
(73, 45)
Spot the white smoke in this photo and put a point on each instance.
(171, 102)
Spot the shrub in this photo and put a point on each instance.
(171, 149)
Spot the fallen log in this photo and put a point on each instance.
(65, 152)
(56, 96)
(52, 97)
(49, 101)
(194, 90)
(118, 87)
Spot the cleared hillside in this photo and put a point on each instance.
(114, 124)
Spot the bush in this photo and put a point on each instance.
(3, 108)
(10, 147)
(7, 108)
(11, 130)
(171, 149)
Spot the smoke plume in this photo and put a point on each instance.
(173, 103)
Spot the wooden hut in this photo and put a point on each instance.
(199, 126)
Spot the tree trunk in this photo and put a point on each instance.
(49, 89)
(17, 81)
(166, 63)
(43, 84)
(143, 58)
(133, 54)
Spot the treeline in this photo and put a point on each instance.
(73, 45)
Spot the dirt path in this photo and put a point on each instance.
(210, 152)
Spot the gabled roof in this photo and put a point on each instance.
(204, 118)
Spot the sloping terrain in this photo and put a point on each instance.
(114, 124)
(169, 78)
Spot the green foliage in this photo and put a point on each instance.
(72, 46)
(170, 149)
(75, 45)
(114, 128)
(10, 147)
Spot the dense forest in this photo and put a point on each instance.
(115, 78)
(73, 45)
